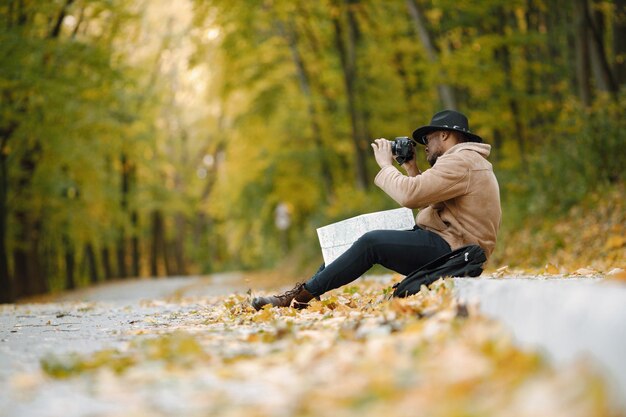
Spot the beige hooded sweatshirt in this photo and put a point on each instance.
(459, 196)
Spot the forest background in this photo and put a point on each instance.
(151, 138)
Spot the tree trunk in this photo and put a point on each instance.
(329, 102)
(559, 49)
(56, 30)
(538, 81)
(106, 263)
(134, 241)
(7, 290)
(49, 256)
(22, 274)
(28, 277)
(604, 78)
(603, 75)
(504, 56)
(201, 241)
(92, 265)
(619, 46)
(79, 22)
(347, 55)
(445, 91)
(170, 264)
(408, 89)
(39, 277)
(157, 242)
(25, 260)
(583, 70)
(531, 52)
(154, 246)
(70, 279)
(290, 36)
(22, 16)
(122, 271)
(121, 255)
(179, 245)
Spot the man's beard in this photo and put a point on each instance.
(432, 158)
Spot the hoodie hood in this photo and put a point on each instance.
(482, 148)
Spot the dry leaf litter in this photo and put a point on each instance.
(355, 353)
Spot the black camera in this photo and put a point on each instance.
(403, 149)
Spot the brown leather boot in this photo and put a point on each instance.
(298, 297)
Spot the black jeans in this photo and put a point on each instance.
(402, 251)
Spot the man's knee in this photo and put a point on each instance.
(371, 238)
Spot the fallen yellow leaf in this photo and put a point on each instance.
(585, 271)
(551, 269)
(615, 242)
(620, 276)
(501, 271)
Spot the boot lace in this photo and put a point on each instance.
(291, 293)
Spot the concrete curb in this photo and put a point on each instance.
(565, 317)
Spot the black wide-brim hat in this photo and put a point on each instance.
(446, 120)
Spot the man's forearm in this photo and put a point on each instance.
(411, 170)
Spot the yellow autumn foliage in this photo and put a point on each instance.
(590, 235)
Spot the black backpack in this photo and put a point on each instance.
(466, 261)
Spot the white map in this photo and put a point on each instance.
(336, 238)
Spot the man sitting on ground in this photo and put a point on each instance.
(458, 198)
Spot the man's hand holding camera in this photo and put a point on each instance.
(402, 148)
